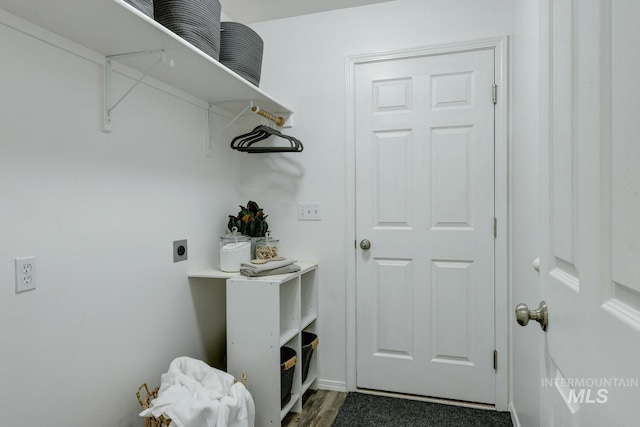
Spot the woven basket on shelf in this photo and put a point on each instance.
(241, 50)
(150, 395)
(196, 21)
(144, 6)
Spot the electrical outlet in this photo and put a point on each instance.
(180, 250)
(309, 211)
(25, 274)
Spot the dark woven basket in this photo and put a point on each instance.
(241, 50)
(287, 369)
(196, 21)
(144, 6)
(309, 344)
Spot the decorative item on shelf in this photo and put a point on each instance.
(196, 21)
(144, 6)
(250, 221)
(241, 50)
(267, 248)
(234, 250)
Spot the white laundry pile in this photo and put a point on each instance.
(193, 394)
(272, 267)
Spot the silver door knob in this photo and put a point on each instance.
(365, 244)
(523, 315)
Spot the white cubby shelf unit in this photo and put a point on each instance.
(263, 315)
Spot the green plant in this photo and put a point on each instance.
(250, 221)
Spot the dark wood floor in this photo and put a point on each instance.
(319, 409)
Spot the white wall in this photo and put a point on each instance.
(99, 212)
(527, 343)
(304, 65)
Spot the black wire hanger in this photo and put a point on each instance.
(245, 141)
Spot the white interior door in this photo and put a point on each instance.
(590, 272)
(425, 202)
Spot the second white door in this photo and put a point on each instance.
(590, 198)
(425, 202)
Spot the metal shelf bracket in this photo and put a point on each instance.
(213, 138)
(108, 107)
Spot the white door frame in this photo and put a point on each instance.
(502, 290)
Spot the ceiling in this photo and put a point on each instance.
(248, 11)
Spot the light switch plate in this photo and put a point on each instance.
(309, 211)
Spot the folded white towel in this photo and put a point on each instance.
(271, 265)
(193, 393)
(291, 268)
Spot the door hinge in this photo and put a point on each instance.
(495, 93)
(495, 360)
(495, 228)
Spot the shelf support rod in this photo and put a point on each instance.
(212, 137)
(108, 108)
(278, 120)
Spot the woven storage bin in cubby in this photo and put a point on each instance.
(309, 344)
(287, 369)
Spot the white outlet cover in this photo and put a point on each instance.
(180, 250)
(25, 274)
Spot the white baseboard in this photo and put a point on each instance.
(332, 385)
(514, 416)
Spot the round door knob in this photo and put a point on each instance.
(536, 264)
(523, 315)
(365, 244)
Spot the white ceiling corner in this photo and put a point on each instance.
(248, 11)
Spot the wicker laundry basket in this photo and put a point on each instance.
(145, 402)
